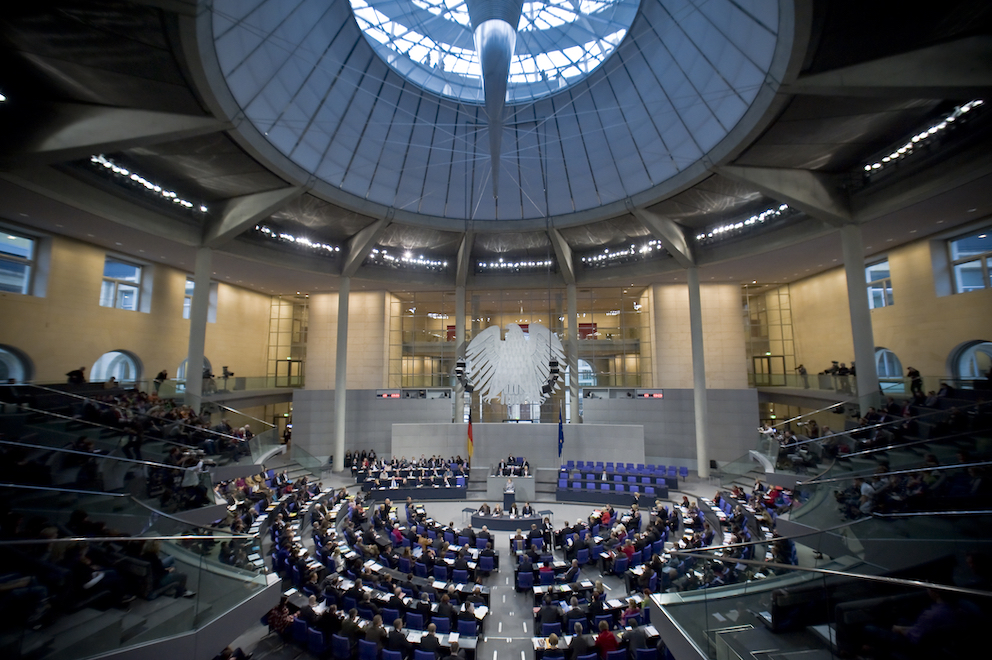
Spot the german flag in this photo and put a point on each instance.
(471, 442)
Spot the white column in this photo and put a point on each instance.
(698, 372)
(459, 411)
(852, 245)
(572, 310)
(198, 328)
(341, 374)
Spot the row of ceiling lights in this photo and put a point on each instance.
(924, 137)
(381, 256)
(303, 241)
(145, 184)
(503, 265)
(755, 219)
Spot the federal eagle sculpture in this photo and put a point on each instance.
(513, 370)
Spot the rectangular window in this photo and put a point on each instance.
(121, 285)
(17, 254)
(879, 285)
(971, 257)
(188, 297)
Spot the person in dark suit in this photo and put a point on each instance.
(396, 639)
(572, 574)
(307, 612)
(580, 645)
(461, 563)
(430, 642)
(484, 534)
(456, 652)
(528, 510)
(424, 606)
(376, 632)
(444, 608)
(549, 611)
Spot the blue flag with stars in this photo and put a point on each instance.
(561, 433)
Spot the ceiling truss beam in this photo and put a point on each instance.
(464, 258)
(241, 213)
(361, 244)
(960, 69)
(671, 235)
(59, 132)
(563, 253)
(815, 194)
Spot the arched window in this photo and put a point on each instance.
(972, 360)
(122, 365)
(15, 364)
(887, 364)
(181, 371)
(587, 375)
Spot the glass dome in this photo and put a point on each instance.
(559, 42)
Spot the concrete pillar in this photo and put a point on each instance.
(459, 411)
(853, 248)
(572, 352)
(341, 374)
(698, 372)
(198, 328)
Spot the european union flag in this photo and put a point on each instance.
(561, 433)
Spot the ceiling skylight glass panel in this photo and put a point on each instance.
(560, 42)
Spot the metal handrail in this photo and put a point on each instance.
(881, 579)
(848, 477)
(815, 412)
(113, 405)
(123, 539)
(52, 413)
(238, 412)
(92, 455)
(62, 490)
(930, 514)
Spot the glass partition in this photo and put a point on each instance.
(161, 576)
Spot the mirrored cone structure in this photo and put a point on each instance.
(494, 28)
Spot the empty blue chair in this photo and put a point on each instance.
(590, 485)
(459, 482)
(547, 578)
(299, 631)
(341, 647)
(367, 650)
(415, 620)
(609, 466)
(431, 534)
(449, 537)
(619, 488)
(551, 628)
(619, 566)
(635, 558)
(658, 547)
(441, 573)
(684, 472)
(579, 464)
(315, 642)
(389, 615)
(467, 628)
(403, 564)
(630, 466)
(462, 541)
(570, 465)
(591, 656)
(443, 624)
(576, 485)
(349, 603)
(459, 575)
(649, 491)
(366, 612)
(425, 655)
(647, 654)
(631, 480)
(480, 543)
(487, 564)
(619, 654)
(525, 580)
(537, 542)
(653, 584)
(617, 478)
(673, 471)
(391, 655)
(582, 556)
(563, 483)
(621, 469)
(420, 569)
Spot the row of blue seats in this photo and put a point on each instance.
(629, 468)
(341, 647)
(609, 487)
(616, 478)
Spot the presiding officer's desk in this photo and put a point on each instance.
(523, 488)
(505, 523)
(422, 493)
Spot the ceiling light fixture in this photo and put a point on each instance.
(302, 241)
(141, 183)
(757, 219)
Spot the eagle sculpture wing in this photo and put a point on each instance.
(483, 356)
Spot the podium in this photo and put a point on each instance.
(509, 498)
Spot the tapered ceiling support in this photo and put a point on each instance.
(241, 213)
(960, 69)
(464, 258)
(59, 132)
(494, 30)
(671, 235)
(563, 253)
(815, 194)
(361, 244)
